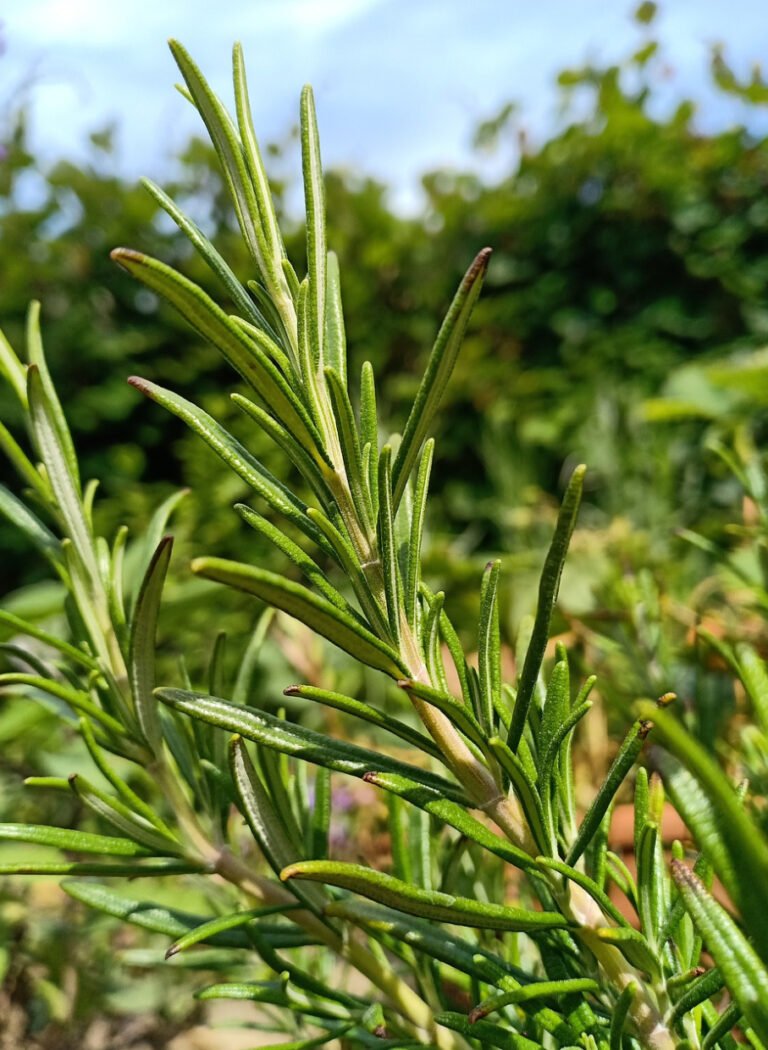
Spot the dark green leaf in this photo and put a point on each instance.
(69, 839)
(141, 649)
(311, 609)
(548, 588)
(625, 759)
(290, 739)
(431, 904)
(437, 373)
(744, 973)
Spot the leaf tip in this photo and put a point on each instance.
(683, 875)
(480, 264)
(292, 690)
(126, 256)
(142, 385)
(646, 725)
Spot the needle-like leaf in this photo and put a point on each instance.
(548, 587)
(743, 970)
(141, 650)
(313, 610)
(429, 904)
(290, 739)
(437, 373)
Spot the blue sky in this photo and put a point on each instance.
(400, 84)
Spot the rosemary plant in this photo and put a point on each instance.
(503, 920)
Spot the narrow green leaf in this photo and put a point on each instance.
(640, 804)
(413, 568)
(705, 987)
(24, 656)
(148, 915)
(320, 823)
(716, 816)
(23, 466)
(438, 371)
(486, 1033)
(37, 359)
(335, 336)
(393, 587)
(619, 1015)
(556, 709)
(430, 904)
(13, 370)
(489, 646)
(262, 194)
(452, 814)
(306, 744)
(69, 839)
(430, 643)
(433, 941)
(115, 580)
(524, 789)
(548, 588)
(211, 256)
(264, 338)
(369, 714)
(224, 922)
(314, 200)
(625, 759)
(272, 992)
(293, 450)
(650, 882)
(230, 153)
(75, 698)
(451, 639)
(134, 869)
(311, 609)
(744, 973)
(349, 561)
(633, 945)
(548, 765)
(538, 990)
(64, 484)
(142, 551)
(248, 356)
(235, 456)
(369, 419)
(308, 365)
(399, 827)
(129, 797)
(141, 649)
(753, 673)
(369, 435)
(350, 442)
(132, 824)
(730, 1017)
(18, 514)
(267, 827)
(309, 568)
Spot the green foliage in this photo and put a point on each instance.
(486, 836)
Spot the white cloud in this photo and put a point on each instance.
(74, 22)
